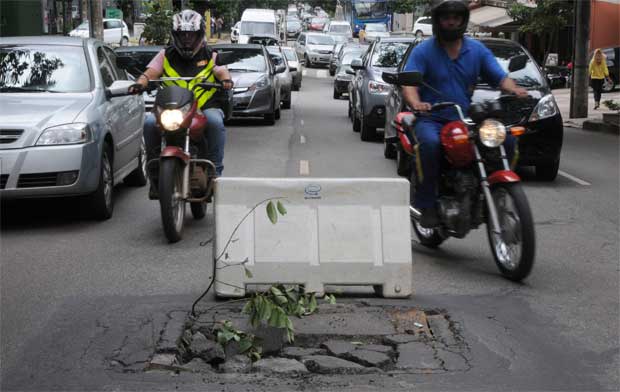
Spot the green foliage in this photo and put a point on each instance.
(274, 306)
(248, 343)
(547, 16)
(274, 209)
(158, 24)
(407, 6)
(611, 105)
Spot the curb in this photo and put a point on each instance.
(599, 126)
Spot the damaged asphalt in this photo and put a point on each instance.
(105, 344)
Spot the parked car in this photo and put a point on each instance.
(293, 29)
(60, 132)
(539, 114)
(344, 48)
(338, 27)
(115, 32)
(261, 22)
(257, 89)
(317, 23)
(234, 33)
(367, 90)
(286, 79)
(294, 66)
(374, 31)
(344, 73)
(422, 27)
(314, 48)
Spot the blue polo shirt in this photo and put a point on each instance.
(456, 79)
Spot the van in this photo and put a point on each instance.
(257, 22)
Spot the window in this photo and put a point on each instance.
(528, 76)
(320, 40)
(302, 39)
(43, 68)
(120, 73)
(389, 54)
(289, 54)
(247, 60)
(340, 28)
(258, 28)
(369, 10)
(106, 69)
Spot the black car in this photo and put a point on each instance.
(143, 55)
(540, 146)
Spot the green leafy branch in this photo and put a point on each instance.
(248, 343)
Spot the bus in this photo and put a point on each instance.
(360, 12)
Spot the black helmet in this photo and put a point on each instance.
(188, 33)
(443, 7)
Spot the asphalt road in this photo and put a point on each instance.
(557, 330)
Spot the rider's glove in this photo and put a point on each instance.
(227, 84)
(136, 88)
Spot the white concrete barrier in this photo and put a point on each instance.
(335, 231)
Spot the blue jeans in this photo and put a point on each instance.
(215, 135)
(427, 135)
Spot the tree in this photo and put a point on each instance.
(408, 6)
(544, 20)
(158, 24)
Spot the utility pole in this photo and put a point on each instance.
(96, 19)
(579, 86)
(84, 10)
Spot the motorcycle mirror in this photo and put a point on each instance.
(224, 58)
(390, 77)
(517, 63)
(409, 78)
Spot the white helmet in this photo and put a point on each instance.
(188, 33)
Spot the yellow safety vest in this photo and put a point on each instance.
(200, 94)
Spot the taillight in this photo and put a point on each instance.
(455, 141)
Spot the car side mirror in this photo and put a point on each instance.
(517, 63)
(119, 88)
(349, 71)
(280, 68)
(357, 64)
(292, 69)
(224, 58)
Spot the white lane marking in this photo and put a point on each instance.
(302, 123)
(304, 72)
(573, 178)
(304, 168)
(302, 139)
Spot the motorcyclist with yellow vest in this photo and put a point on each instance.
(189, 56)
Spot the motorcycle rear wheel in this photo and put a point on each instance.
(514, 252)
(171, 200)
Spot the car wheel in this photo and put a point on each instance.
(270, 118)
(286, 104)
(139, 176)
(101, 202)
(356, 122)
(332, 72)
(547, 171)
(389, 150)
(277, 114)
(124, 41)
(307, 61)
(367, 133)
(336, 94)
(419, 34)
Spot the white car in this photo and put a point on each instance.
(234, 33)
(115, 32)
(423, 27)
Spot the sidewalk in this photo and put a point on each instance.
(595, 117)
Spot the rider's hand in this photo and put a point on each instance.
(136, 88)
(421, 106)
(227, 84)
(520, 92)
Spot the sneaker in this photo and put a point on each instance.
(429, 219)
(596, 105)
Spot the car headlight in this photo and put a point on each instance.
(492, 133)
(77, 133)
(545, 108)
(262, 82)
(378, 87)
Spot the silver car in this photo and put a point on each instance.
(294, 66)
(286, 78)
(61, 133)
(314, 48)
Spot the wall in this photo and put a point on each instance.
(604, 24)
(20, 18)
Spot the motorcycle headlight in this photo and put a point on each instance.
(545, 108)
(492, 133)
(378, 87)
(171, 119)
(77, 133)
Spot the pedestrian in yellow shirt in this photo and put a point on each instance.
(598, 73)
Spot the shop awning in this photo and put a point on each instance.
(488, 16)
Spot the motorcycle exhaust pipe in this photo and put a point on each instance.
(414, 213)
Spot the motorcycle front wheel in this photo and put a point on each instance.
(171, 200)
(514, 250)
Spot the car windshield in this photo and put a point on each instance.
(340, 38)
(318, 21)
(347, 58)
(258, 28)
(289, 53)
(44, 68)
(293, 25)
(370, 9)
(320, 40)
(247, 60)
(376, 27)
(528, 76)
(339, 28)
(389, 54)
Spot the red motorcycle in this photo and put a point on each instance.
(476, 183)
